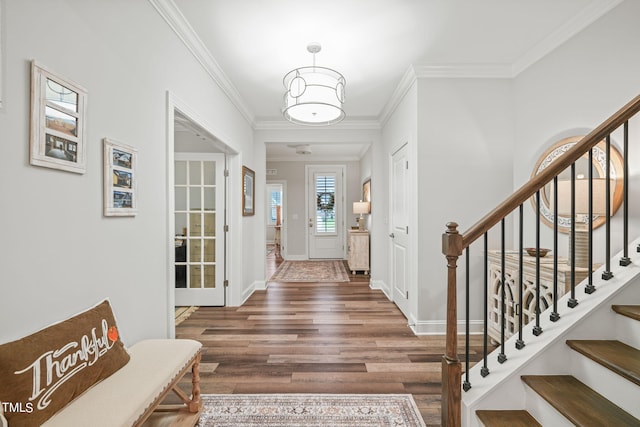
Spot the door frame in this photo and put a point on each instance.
(233, 251)
(283, 229)
(343, 189)
(410, 309)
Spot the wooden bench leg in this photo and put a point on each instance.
(196, 403)
(193, 403)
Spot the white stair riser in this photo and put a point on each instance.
(628, 330)
(542, 411)
(617, 389)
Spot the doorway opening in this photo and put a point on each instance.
(275, 218)
(197, 223)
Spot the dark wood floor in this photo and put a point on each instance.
(316, 338)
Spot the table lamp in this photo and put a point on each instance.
(361, 208)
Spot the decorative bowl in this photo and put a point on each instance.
(537, 251)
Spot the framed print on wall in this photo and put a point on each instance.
(58, 114)
(120, 179)
(366, 192)
(248, 191)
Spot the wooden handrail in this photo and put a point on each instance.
(555, 168)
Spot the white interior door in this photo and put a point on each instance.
(325, 211)
(399, 227)
(199, 229)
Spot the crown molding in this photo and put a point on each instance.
(407, 80)
(179, 24)
(572, 27)
(302, 158)
(464, 71)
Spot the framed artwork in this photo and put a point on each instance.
(248, 191)
(366, 192)
(58, 114)
(120, 179)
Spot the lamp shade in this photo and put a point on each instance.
(582, 196)
(314, 95)
(360, 208)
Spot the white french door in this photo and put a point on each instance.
(199, 229)
(325, 212)
(399, 227)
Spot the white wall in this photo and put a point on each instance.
(573, 90)
(465, 154)
(60, 254)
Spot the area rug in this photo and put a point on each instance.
(310, 271)
(183, 313)
(310, 410)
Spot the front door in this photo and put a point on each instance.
(325, 223)
(199, 229)
(399, 227)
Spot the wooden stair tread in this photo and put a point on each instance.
(632, 311)
(619, 357)
(578, 403)
(507, 418)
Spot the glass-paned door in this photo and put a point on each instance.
(199, 228)
(326, 224)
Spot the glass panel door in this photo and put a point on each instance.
(198, 197)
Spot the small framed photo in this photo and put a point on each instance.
(120, 180)
(248, 191)
(58, 129)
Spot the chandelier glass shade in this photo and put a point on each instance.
(314, 95)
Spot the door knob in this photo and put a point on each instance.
(392, 235)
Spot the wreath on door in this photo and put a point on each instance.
(325, 201)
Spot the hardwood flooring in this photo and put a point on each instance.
(317, 338)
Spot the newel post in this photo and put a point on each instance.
(451, 368)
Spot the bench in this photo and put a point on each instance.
(128, 396)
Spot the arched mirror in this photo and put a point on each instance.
(582, 172)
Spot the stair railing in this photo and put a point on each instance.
(455, 243)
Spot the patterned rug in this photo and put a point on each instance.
(310, 410)
(310, 271)
(183, 313)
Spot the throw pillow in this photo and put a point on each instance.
(43, 372)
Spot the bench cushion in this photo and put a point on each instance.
(123, 397)
(43, 372)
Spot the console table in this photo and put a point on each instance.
(358, 251)
(528, 303)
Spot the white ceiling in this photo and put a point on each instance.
(373, 43)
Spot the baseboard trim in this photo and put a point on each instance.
(258, 285)
(439, 327)
(380, 285)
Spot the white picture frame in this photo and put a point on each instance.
(120, 179)
(58, 116)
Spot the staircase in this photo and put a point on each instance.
(576, 363)
(572, 401)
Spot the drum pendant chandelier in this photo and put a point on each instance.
(314, 95)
